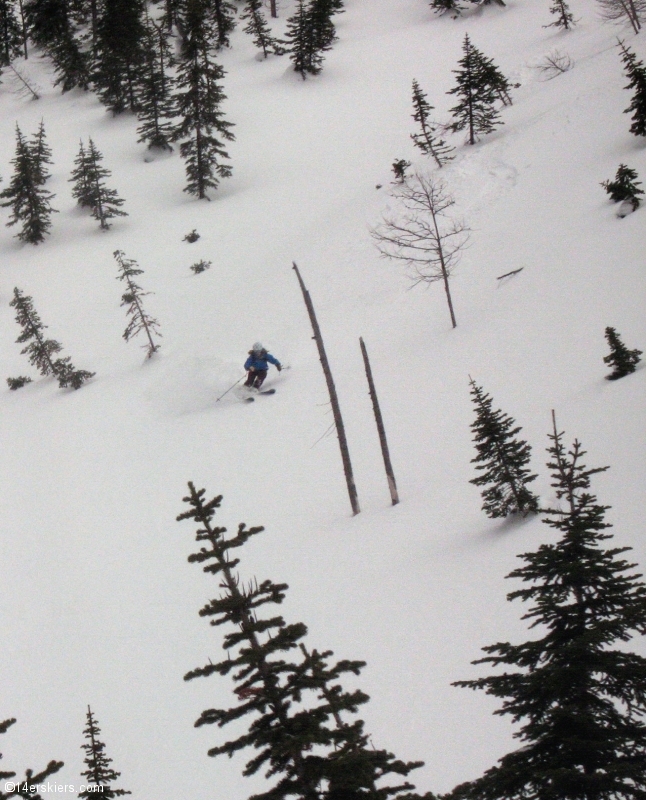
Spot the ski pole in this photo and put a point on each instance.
(229, 389)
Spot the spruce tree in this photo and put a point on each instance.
(621, 359)
(502, 460)
(202, 125)
(564, 17)
(636, 73)
(10, 33)
(132, 298)
(475, 112)
(99, 775)
(497, 81)
(30, 778)
(579, 694)
(120, 54)
(51, 27)
(299, 731)
(258, 28)
(310, 32)
(41, 351)
(105, 202)
(29, 202)
(428, 140)
(447, 7)
(41, 154)
(320, 14)
(223, 22)
(83, 189)
(625, 187)
(155, 106)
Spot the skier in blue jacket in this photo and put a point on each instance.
(257, 365)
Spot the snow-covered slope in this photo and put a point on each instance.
(98, 604)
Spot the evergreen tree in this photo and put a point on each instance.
(120, 54)
(31, 778)
(475, 111)
(223, 21)
(41, 154)
(83, 190)
(447, 7)
(258, 28)
(310, 32)
(320, 15)
(155, 107)
(636, 73)
(502, 460)
(580, 695)
(399, 167)
(133, 298)
(105, 202)
(428, 140)
(564, 17)
(623, 360)
(10, 33)
(625, 187)
(99, 773)
(29, 202)
(497, 81)
(198, 104)
(298, 731)
(51, 27)
(41, 351)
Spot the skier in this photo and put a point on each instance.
(257, 366)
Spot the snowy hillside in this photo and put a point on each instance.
(98, 603)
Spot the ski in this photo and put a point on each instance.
(266, 391)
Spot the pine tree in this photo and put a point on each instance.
(579, 694)
(10, 33)
(132, 298)
(623, 360)
(198, 104)
(155, 107)
(223, 22)
(310, 33)
(299, 733)
(564, 17)
(428, 140)
(29, 202)
(105, 202)
(399, 167)
(258, 28)
(636, 73)
(31, 778)
(475, 111)
(497, 81)
(50, 27)
(447, 7)
(41, 351)
(41, 154)
(99, 773)
(120, 54)
(320, 14)
(625, 187)
(83, 190)
(502, 460)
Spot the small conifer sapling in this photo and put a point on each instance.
(399, 167)
(258, 28)
(17, 383)
(428, 140)
(132, 298)
(564, 17)
(636, 73)
(625, 187)
(502, 459)
(621, 359)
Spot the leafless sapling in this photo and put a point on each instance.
(422, 234)
(634, 11)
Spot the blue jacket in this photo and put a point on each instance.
(258, 361)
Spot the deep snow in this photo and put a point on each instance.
(98, 603)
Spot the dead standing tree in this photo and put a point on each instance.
(422, 235)
(334, 400)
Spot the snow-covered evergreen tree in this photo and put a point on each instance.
(476, 111)
(564, 17)
(299, 732)
(258, 28)
(99, 775)
(202, 129)
(502, 460)
(25, 195)
(41, 351)
(621, 359)
(120, 54)
(636, 73)
(139, 321)
(155, 91)
(10, 33)
(625, 187)
(577, 690)
(31, 778)
(428, 140)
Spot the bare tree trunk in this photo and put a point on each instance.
(334, 400)
(272, 6)
(392, 486)
(24, 29)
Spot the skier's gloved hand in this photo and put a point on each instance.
(279, 367)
